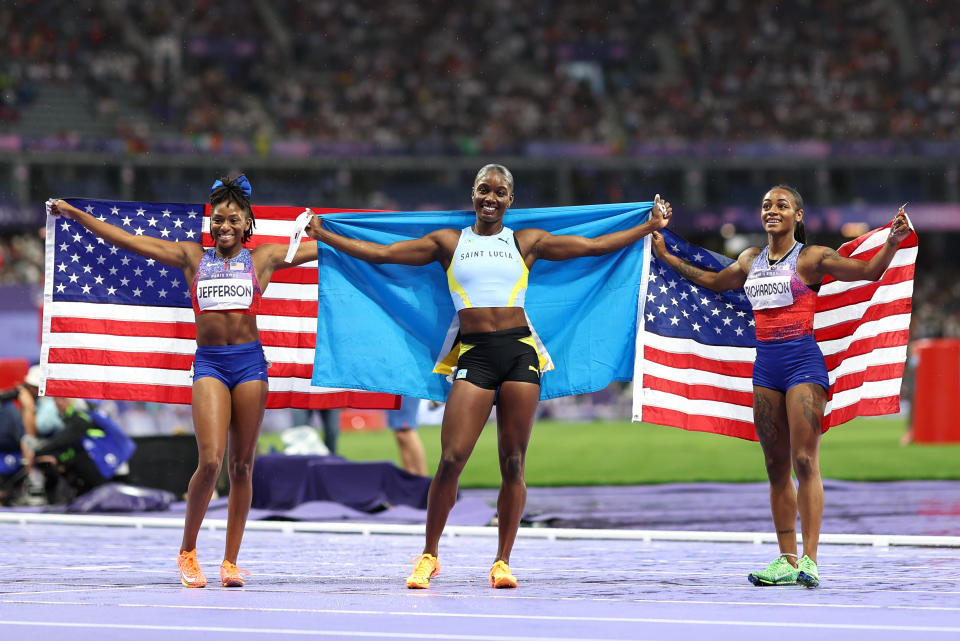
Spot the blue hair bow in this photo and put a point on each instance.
(240, 181)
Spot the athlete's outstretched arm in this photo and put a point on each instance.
(547, 246)
(828, 261)
(179, 254)
(420, 251)
(733, 276)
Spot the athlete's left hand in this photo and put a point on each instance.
(314, 226)
(661, 212)
(900, 228)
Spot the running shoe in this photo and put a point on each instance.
(427, 566)
(501, 576)
(230, 575)
(808, 574)
(779, 572)
(191, 576)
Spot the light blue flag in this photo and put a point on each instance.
(382, 327)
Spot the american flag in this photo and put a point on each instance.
(695, 347)
(120, 326)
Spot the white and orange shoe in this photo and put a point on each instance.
(191, 576)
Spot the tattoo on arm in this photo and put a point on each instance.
(688, 271)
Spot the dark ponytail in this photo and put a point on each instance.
(236, 190)
(799, 230)
(800, 233)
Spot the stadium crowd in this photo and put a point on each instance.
(453, 77)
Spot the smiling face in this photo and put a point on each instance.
(492, 196)
(228, 222)
(778, 212)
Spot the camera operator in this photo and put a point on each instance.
(58, 466)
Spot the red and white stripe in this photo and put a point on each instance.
(862, 328)
(127, 352)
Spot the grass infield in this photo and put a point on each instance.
(624, 453)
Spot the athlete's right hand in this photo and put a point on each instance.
(58, 207)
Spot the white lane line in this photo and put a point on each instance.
(422, 635)
(224, 608)
(877, 540)
(296, 632)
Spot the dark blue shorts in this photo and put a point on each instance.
(230, 364)
(780, 366)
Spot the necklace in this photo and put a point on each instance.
(778, 261)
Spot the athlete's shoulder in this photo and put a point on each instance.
(750, 254)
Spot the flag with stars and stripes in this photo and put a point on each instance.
(695, 347)
(120, 326)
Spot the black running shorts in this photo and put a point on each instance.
(487, 360)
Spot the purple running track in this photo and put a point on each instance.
(90, 583)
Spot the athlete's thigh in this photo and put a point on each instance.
(770, 421)
(467, 410)
(211, 413)
(516, 410)
(805, 406)
(249, 400)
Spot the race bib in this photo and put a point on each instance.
(769, 290)
(219, 294)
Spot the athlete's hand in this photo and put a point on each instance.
(661, 212)
(659, 244)
(314, 227)
(58, 207)
(900, 228)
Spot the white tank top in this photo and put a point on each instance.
(487, 271)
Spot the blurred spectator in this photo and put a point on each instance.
(401, 73)
(329, 421)
(403, 423)
(11, 425)
(21, 258)
(41, 417)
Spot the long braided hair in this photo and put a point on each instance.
(236, 190)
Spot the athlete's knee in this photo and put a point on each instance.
(208, 466)
(240, 470)
(805, 465)
(452, 462)
(778, 468)
(512, 465)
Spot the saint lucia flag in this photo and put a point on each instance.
(384, 327)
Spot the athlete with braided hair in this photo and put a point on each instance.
(229, 372)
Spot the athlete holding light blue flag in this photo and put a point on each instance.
(381, 322)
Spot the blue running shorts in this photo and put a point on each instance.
(230, 364)
(782, 365)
